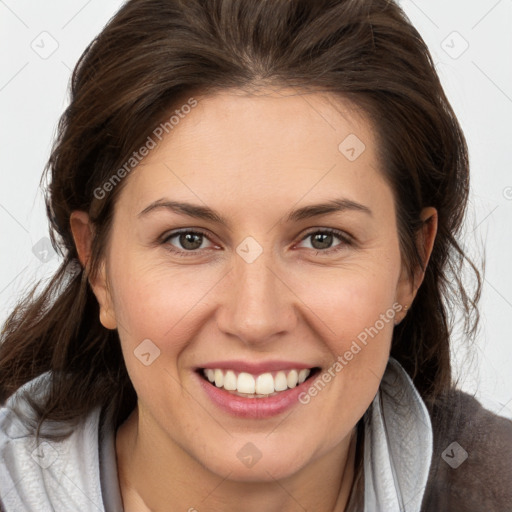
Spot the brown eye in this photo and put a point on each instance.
(185, 241)
(324, 240)
(321, 240)
(190, 241)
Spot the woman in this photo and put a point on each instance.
(258, 206)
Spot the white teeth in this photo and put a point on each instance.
(219, 378)
(258, 386)
(265, 384)
(245, 383)
(230, 381)
(280, 383)
(292, 379)
(303, 375)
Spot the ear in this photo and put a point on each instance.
(83, 235)
(408, 285)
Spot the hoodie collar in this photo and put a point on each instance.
(397, 445)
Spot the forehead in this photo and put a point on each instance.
(254, 148)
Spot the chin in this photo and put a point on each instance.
(258, 458)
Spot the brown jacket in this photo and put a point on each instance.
(482, 482)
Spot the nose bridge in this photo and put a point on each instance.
(257, 304)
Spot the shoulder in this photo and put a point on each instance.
(471, 467)
(52, 471)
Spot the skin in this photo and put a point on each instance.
(252, 158)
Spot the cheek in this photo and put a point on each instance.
(350, 301)
(159, 310)
(356, 308)
(363, 304)
(159, 302)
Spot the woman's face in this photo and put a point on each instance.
(259, 283)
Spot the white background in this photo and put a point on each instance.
(477, 79)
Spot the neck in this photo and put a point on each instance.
(153, 475)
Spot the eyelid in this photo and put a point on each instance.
(179, 231)
(346, 239)
(338, 232)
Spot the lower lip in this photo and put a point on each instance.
(256, 408)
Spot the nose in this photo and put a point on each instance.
(258, 304)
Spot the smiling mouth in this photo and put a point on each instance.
(262, 385)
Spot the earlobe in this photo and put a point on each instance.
(100, 287)
(402, 309)
(107, 316)
(83, 233)
(408, 285)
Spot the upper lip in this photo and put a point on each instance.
(256, 368)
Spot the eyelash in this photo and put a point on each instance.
(342, 236)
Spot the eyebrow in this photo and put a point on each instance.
(306, 212)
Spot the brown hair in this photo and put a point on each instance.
(151, 56)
